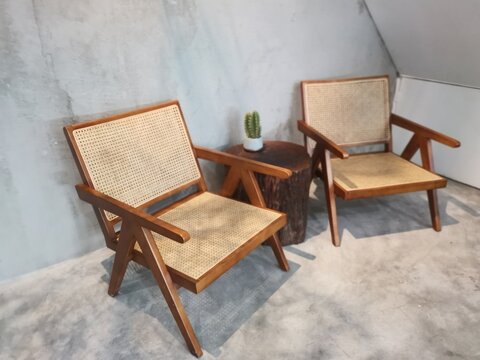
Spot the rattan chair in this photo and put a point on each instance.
(131, 161)
(344, 113)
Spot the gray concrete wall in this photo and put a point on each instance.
(64, 61)
(432, 39)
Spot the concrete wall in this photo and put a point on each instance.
(64, 61)
(453, 110)
(432, 39)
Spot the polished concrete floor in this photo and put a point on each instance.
(395, 289)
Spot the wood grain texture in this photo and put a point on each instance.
(247, 164)
(288, 196)
(411, 148)
(427, 162)
(421, 140)
(137, 224)
(126, 242)
(327, 177)
(168, 289)
(320, 138)
(127, 212)
(424, 131)
(231, 182)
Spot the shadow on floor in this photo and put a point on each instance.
(218, 311)
(298, 252)
(378, 216)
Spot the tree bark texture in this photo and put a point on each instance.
(289, 196)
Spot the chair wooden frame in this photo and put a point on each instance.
(137, 224)
(325, 148)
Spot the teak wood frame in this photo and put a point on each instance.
(137, 224)
(325, 148)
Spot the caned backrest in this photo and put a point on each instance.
(348, 111)
(138, 157)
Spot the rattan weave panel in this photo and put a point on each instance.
(138, 158)
(217, 226)
(349, 112)
(378, 170)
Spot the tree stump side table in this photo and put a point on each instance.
(289, 196)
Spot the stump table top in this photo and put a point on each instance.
(280, 153)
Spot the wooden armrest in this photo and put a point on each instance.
(125, 211)
(423, 131)
(322, 139)
(247, 164)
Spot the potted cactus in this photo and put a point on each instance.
(253, 130)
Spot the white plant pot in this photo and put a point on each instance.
(250, 144)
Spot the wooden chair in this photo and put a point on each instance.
(346, 113)
(133, 160)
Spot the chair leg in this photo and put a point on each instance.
(427, 163)
(255, 196)
(434, 214)
(276, 246)
(332, 216)
(330, 196)
(126, 242)
(164, 281)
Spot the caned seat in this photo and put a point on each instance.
(377, 172)
(345, 113)
(132, 161)
(218, 226)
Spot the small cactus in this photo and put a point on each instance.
(252, 125)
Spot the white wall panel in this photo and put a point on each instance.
(453, 110)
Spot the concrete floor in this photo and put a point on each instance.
(394, 290)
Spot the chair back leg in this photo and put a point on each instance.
(126, 243)
(256, 198)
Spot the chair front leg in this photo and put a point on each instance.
(164, 281)
(327, 177)
(277, 249)
(427, 163)
(434, 213)
(425, 145)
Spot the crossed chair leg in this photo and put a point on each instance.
(322, 157)
(332, 213)
(131, 233)
(236, 176)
